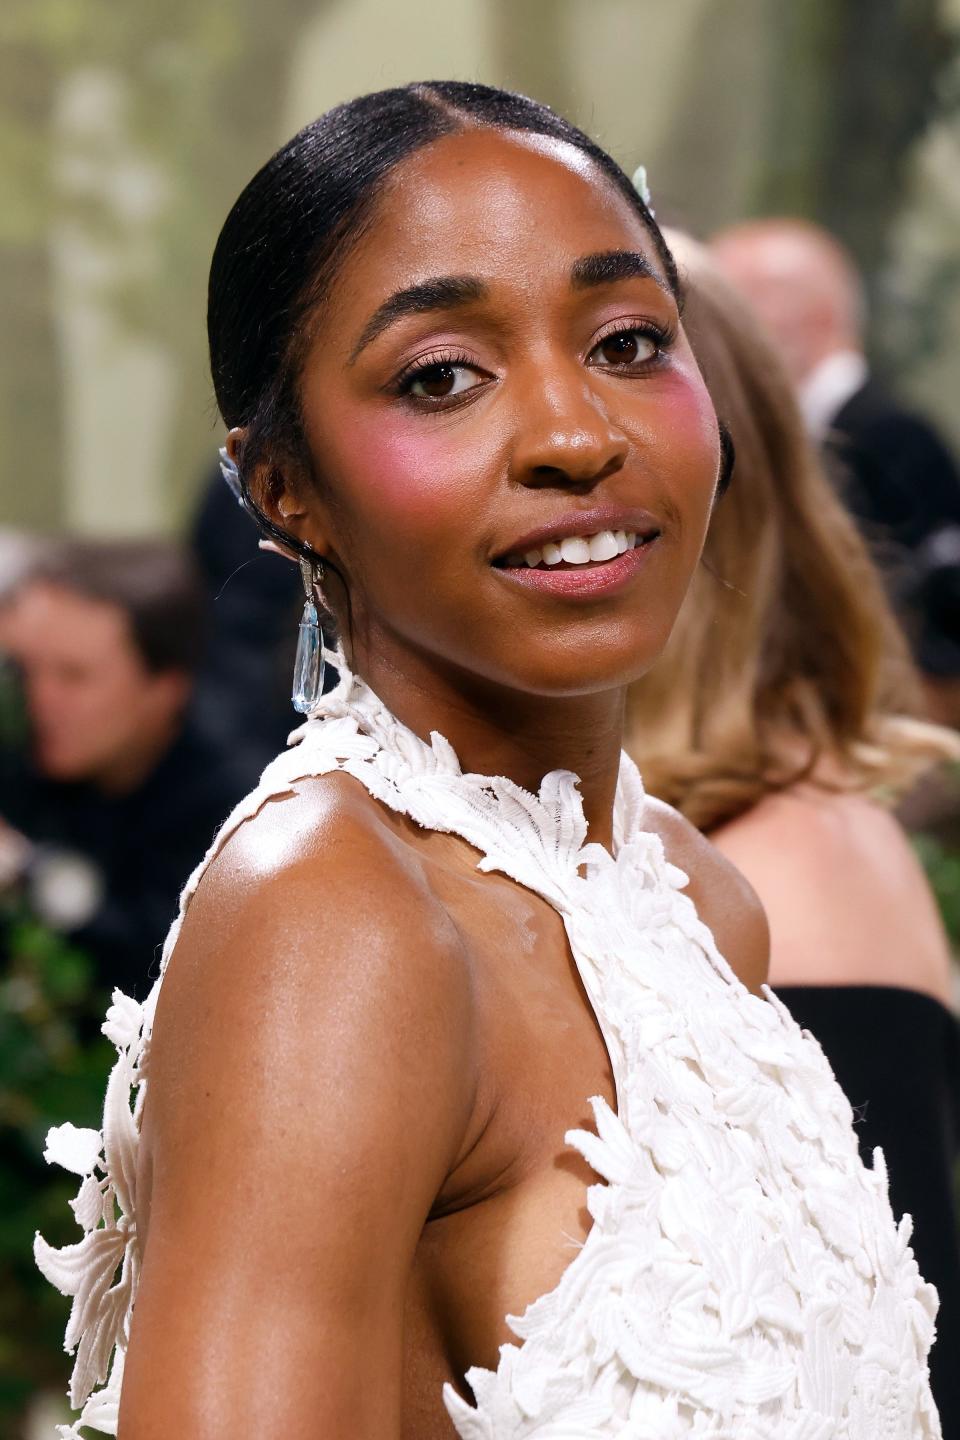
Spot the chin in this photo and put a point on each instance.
(589, 669)
(56, 766)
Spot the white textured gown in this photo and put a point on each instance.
(744, 1278)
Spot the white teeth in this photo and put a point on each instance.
(603, 546)
(582, 549)
(575, 550)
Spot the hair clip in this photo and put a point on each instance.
(230, 473)
(642, 188)
(275, 538)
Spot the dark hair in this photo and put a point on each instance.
(295, 221)
(153, 582)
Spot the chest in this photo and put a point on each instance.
(513, 1214)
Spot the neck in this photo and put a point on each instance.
(499, 731)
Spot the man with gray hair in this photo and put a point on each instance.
(893, 470)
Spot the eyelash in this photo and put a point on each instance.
(423, 363)
(648, 329)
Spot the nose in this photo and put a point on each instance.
(565, 437)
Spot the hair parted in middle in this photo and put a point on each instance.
(786, 661)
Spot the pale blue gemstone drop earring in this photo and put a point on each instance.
(309, 665)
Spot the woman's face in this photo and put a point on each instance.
(498, 376)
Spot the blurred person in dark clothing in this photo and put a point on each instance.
(893, 470)
(242, 693)
(120, 792)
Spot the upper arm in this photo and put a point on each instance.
(726, 901)
(309, 1089)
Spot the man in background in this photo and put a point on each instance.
(120, 793)
(893, 470)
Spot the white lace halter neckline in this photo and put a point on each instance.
(743, 1278)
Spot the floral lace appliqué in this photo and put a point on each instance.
(744, 1276)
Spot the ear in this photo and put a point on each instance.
(170, 690)
(278, 498)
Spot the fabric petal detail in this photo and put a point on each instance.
(73, 1149)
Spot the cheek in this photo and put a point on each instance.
(691, 440)
(414, 481)
(688, 411)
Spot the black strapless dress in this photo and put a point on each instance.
(896, 1054)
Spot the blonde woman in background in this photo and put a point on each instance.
(777, 722)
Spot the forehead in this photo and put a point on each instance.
(493, 204)
(51, 620)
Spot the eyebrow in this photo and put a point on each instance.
(608, 266)
(447, 292)
(443, 292)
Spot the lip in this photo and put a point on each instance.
(581, 522)
(587, 582)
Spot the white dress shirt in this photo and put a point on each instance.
(828, 387)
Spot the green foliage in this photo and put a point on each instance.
(126, 131)
(53, 1067)
(941, 861)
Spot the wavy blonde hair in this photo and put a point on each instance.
(786, 662)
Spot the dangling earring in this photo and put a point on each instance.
(309, 666)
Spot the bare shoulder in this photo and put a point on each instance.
(322, 877)
(313, 945)
(725, 900)
(847, 898)
(310, 1087)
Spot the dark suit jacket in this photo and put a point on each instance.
(242, 695)
(143, 846)
(903, 486)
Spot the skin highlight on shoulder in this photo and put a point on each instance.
(314, 1059)
(314, 902)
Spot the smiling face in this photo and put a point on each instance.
(498, 375)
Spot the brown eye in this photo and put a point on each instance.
(435, 382)
(442, 381)
(626, 347)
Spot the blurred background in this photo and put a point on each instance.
(126, 132)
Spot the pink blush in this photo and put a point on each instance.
(414, 475)
(686, 400)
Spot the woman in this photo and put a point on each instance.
(445, 339)
(776, 721)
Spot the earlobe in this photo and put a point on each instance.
(170, 690)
